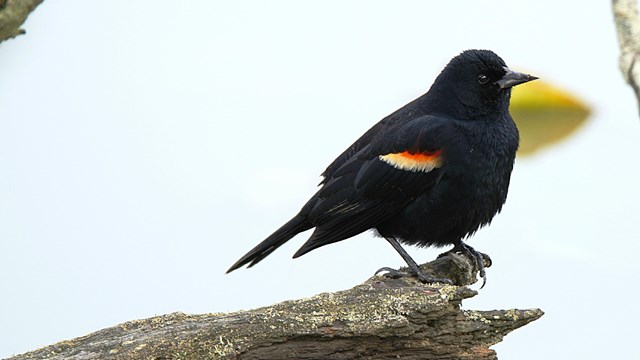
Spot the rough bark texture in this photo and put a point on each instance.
(13, 14)
(625, 14)
(382, 318)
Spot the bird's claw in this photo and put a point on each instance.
(478, 259)
(396, 274)
(390, 272)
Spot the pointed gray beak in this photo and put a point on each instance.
(512, 78)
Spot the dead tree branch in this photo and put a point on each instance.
(382, 318)
(13, 14)
(625, 14)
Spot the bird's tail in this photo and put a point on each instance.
(282, 235)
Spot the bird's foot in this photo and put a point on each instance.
(479, 259)
(395, 274)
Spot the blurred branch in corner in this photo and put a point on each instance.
(545, 115)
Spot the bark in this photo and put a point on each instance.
(625, 13)
(13, 14)
(382, 318)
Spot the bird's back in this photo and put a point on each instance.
(411, 110)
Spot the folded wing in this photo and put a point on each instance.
(378, 180)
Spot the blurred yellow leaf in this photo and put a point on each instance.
(545, 115)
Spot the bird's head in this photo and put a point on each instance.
(474, 84)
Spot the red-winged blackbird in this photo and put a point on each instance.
(430, 174)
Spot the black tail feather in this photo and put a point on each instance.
(342, 228)
(278, 238)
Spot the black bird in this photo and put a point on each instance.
(430, 174)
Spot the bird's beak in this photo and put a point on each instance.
(512, 78)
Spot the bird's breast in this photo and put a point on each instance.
(469, 194)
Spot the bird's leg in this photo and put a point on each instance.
(413, 266)
(477, 257)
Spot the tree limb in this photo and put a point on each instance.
(625, 13)
(380, 319)
(13, 14)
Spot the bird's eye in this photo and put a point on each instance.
(482, 78)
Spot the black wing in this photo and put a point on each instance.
(376, 182)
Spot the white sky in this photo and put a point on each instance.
(145, 146)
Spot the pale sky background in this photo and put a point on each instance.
(145, 146)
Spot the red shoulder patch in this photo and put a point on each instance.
(422, 161)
